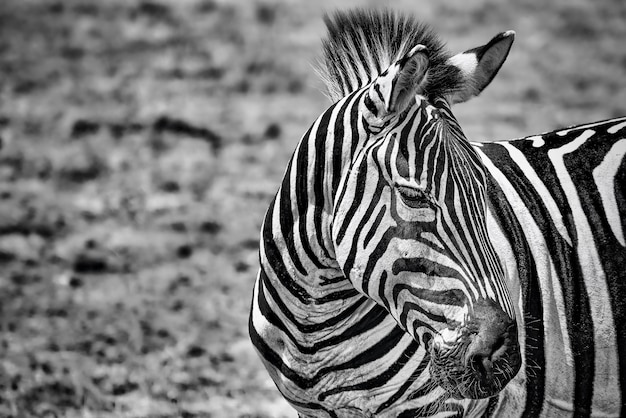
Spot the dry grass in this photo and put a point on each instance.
(142, 142)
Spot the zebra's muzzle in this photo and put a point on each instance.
(484, 357)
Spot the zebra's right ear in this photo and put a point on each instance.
(480, 65)
(395, 89)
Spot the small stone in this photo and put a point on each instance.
(210, 227)
(75, 282)
(273, 131)
(90, 263)
(83, 127)
(184, 251)
(195, 351)
(241, 266)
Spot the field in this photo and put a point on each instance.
(142, 141)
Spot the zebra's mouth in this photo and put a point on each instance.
(463, 375)
(478, 359)
(474, 382)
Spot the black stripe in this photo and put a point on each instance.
(319, 180)
(402, 162)
(374, 225)
(301, 191)
(381, 290)
(338, 295)
(367, 216)
(410, 307)
(378, 92)
(531, 294)
(375, 255)
(286, 223)
(338, 141)
(359, 192)
(369, 104)
(453, 297)
(355, 114)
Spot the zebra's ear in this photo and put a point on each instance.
(480, 65)
(397, 86)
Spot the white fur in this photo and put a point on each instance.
(467, 63)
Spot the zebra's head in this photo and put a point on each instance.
(409, 224)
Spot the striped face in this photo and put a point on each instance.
(410, 232)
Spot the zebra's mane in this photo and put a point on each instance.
(362, 43)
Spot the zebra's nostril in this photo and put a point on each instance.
(483, 365)
(484, 349)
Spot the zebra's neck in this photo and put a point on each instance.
(297, 227)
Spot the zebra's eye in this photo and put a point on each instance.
(414, 197)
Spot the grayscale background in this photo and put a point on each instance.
(141, 144)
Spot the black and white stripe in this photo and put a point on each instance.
(558, 203)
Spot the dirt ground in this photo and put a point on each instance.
(142, 142)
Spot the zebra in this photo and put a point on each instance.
(405, 271)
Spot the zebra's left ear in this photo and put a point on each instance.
(480, 65)
(396, 87)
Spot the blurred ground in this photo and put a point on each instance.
(142, 142)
